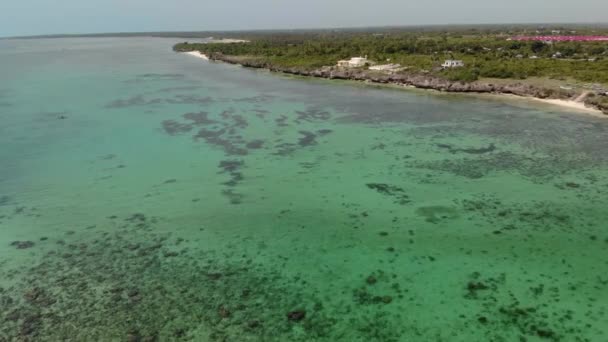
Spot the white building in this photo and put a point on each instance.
(355, 62)
(452, 63)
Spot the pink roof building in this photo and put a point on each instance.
(563, 38)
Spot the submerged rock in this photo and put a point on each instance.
(390, 190)
(22, 244)
(296, 316)
(437, 213)
(223, 312)
(470, 150)
(255, 144)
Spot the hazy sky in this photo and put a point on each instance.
(29, 17)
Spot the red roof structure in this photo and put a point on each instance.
(563, 38)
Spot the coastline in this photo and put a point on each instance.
(516, 91)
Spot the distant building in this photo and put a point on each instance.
(557, 55)
(452, 63)
(354, 62)
(519, 56)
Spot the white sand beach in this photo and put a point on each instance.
(572, 104)
(197, 54)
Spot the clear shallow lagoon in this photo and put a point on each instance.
(152, 196)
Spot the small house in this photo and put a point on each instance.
(452, 63)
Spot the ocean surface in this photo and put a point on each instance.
(152, 196)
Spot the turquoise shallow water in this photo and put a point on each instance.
(152, 196)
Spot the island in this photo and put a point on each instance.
(564, 64)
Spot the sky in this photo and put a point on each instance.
(33, 17)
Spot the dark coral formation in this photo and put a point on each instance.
(264, 98)
(469, 150)
(137, 284)
(172, 127)
(436, 214)
(199, 119)
(232, 167)
(307, 139)
(189, 99)
(22, 244)
(141, 100)
(282, 121)
(255, 144)
(537, 169)
(312, 114)
(137, 100)
(375, 282)
(223, 134)
(503, 313)
(396, 192)
(505, 217)
(285, 149)
(296, 316)
(159, 77)
(126, 288)
(216, 138)
(5, 200)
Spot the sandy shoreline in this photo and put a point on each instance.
(569, 104)
(564, 104)
(577, 106)
(197, 54)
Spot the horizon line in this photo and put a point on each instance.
(346, 28)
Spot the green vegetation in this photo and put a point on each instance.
(598, 101)
(486, 51)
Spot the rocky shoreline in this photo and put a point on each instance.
(421, 81)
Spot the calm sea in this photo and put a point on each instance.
(152, 196)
